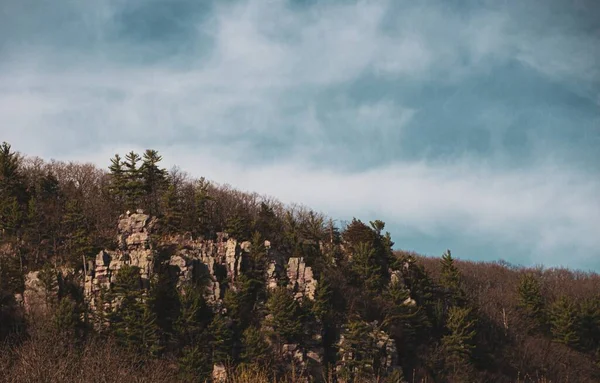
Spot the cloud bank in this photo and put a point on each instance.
(472, 127)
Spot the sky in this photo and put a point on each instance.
(467, 125)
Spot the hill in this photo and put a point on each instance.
(142, 274)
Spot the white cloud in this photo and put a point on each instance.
(260, 77)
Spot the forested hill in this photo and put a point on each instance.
(136, 273)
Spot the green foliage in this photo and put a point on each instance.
(78, 235)
(267, 223)
(194, 315)
(67, 318)
(134, 183)
(118, 186)
(285, 317)
(358, 352)
(401, 315)
(221, 330)
(132, 320)
(48, 276)
(366, 268)
(531, 300)
(195, 363)
(11, 282)
(564, 321)
(238, 227)
(589, 324)
(451, 283)
(255, 349)
(201, 212)
(154, 179)
(458, 344)
(322, 307)
(173, 212)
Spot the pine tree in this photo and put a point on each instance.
(564, 321)
(267, 223)
(401, 315)
(48, 277)
(238, 227)
(201, 222)
(451, 282)
(78, 235)
(531, 300)
(357, 352)
(191, 325)
(67, 318)
(173, 214)
(589, 324)
(367, 271)
(154, 179)
(285, 317)
(134, 185)
(133, 321)
(322, 307)
(11, 282)
(221, 329)
(257, 267)
(194, 315)
(118, 184)
(458, 344)
(255, 349)
(195, 362)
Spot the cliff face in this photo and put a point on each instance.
(219, 262)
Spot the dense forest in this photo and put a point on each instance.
(136, 273)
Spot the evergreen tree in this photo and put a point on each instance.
(458, 344)
(133, 322)
(201, 222)
(78, 235)
(255, 349)
(564, 321)
(173, 214)
(195, 362)
(358, 352)
(154, 179)
(221, 329)
(48, 277)
(68, 318)
(118, 185)
(194, 315)
(451, 281)
(11, 282)
(191, 325)
(134, 185)
(285, 317)
(531, 300)
(238, 227)
(589, 324)
(401, 315)
(267, 223)
(366, 269)
(257, 267)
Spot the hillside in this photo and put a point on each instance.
(136, 273)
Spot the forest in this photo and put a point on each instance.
(142, 274)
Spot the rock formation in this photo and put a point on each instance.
(385, 347)
(217, 260)
(301, 279)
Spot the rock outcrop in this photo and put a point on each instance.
(217, 261)
(134, 249)
(301, 279)
(386, 352)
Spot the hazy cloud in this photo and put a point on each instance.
(475, 123)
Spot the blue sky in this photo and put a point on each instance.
(469, 125)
